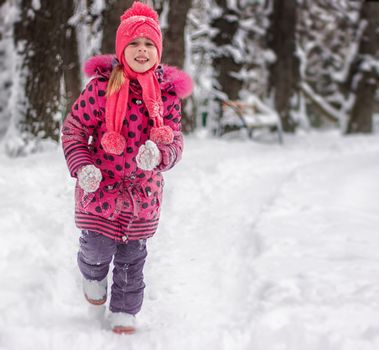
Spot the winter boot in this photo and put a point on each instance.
(122, 323)
(95, 291)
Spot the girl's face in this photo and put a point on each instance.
(141, 54)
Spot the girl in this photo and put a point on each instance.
(122, 132)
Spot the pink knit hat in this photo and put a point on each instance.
(138, 21)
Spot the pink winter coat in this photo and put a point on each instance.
(127, 204)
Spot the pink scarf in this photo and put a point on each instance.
(117, 104)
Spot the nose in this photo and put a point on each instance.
(142, 48)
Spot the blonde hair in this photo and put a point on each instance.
(116, 80)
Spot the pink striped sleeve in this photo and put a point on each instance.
(171, 154)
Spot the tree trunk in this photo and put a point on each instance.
(174, 43)
(223, 62)
(366, 76)
(285, 71)
(6, 68)
(71, 62)
(40, 39)
(111, 20)
(226, 86)
(174, 46)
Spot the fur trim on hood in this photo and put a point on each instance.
(168, 76)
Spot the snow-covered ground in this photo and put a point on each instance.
(262, 247)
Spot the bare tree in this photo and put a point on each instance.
(6, 66)
(174, 45)
(328, 38)
(111, 20)
(226, 67)
(364, 72)
(285, 70)
(40, 37)
(71, 63)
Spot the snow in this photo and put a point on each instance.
(36, 5)
(260, 246)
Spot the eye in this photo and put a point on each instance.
(149, 43)
(133, 43)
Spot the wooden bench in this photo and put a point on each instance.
(252, 116)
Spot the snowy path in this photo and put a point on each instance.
(259, 247)
(318, 285)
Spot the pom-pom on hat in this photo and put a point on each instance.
(138, 21)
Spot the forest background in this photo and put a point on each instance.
(314, 64)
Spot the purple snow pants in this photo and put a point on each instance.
(94, 257)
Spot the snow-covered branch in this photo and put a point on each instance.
(327, 110)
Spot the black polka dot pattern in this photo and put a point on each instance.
(136, 128)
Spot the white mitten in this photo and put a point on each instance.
(149, 156)
(89, 178)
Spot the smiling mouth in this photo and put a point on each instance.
(141, 59)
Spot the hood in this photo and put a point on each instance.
(169, 77)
